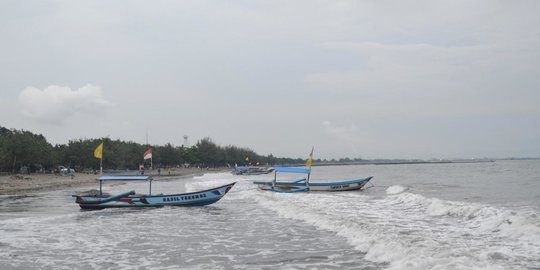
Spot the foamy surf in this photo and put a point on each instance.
(396, 189)
(410, 224)
(409, 231)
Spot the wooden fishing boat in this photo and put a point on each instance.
(304, 184)
(132, 199)
(249, 170)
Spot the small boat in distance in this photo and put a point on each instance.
(250, 170)
(305, 185)
(131, 199)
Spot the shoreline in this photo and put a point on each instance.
(32, 183)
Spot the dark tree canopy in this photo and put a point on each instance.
(23, 148)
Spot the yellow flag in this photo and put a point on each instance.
(310, 159)
(98, 153)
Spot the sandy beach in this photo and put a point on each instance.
(24, 184)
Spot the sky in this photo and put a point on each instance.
(357, 79)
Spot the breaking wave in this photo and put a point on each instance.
(395, 190)
(409, 231)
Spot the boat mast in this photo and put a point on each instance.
(275, 179)
(151, 162)
(101, 166)
(309, 162)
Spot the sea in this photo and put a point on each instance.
(412, 216)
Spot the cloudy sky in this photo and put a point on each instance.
(369, 79)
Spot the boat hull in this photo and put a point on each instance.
(298, 185)
(251, 170)
(198, 198)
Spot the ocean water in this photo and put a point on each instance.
(424, 216)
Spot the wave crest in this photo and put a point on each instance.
(396, 189)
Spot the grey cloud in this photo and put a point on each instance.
(245, 72)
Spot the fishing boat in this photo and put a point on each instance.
(132, 199)
(305, 184)
(250, 170)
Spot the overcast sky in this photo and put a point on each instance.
(369, 79)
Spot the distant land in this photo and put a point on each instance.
(24, 151)
(343, 162)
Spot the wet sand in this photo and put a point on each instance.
(24, 184)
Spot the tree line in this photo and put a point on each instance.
(20, 148)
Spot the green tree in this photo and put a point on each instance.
(23, 148)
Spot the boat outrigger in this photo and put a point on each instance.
(131, 199)
(305, 184)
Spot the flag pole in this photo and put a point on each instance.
(308, 163)
(101, 161)
(148, 155)
(98, 153)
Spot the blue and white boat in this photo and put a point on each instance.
(132, 199)
(305, 184)
(250, 170)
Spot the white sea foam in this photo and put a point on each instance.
(410, 231)
(523, 224)
(395, 229)
(207, 181)
(396, 189)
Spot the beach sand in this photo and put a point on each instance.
(25, 184)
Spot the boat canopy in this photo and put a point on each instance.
(292, 170)
(125, 178)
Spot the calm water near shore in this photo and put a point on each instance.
(423, 216)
